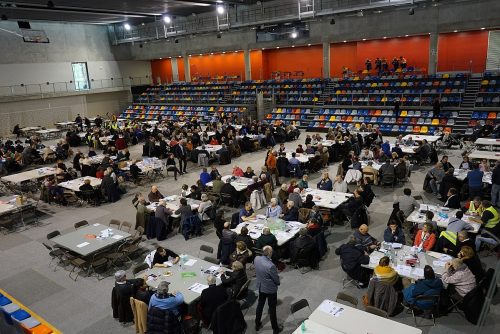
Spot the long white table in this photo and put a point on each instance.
(172, 203)
(30, 175)
(430, 139)
(90, 239)
(147, 165)
(182, 276)
(75, 184)
(49, 133)
(461, 174)
(210, 148)
(326, 199)
(312, 327)
(349, 320)
(488, 155)
(434, 259)
(441, 216)
(239, 183)
(488, 142)
(282, 232)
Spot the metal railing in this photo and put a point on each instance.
(245, 16)
(71, 86)
(423, 99)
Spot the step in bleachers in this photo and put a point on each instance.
(185, 93)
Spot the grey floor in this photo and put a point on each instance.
(84, 306)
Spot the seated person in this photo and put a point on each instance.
(241, 254)
(303, 183)
(292, 213)
(366, 154)
(453, 200)
(86, 186)
(163, 300)
(273, 210)
(162, 255)
(246, 213)
(237, 171)
(235, 279)
(425, 239)
(353, 203)
(296, 198)
(429, 218)
(205, 177)
(120, 296)
(471, 260)
(386, 274)
(243, 236)
(266, 239)
(393, 233)
(309, 203)
(448, 239)
(325, 183)
(490, 222)
(217, 184)
(351, 259)
(249, 173)
(339, 185)
(364, 240)
(458, 278)
(155, 195)
(474, 207)
(406, 202)
(230, 191)
(430, 285)
(211, 298)
(304, 242)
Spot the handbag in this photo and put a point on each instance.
(366, 301)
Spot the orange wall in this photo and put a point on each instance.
(456, 50)
(218, 64)
(354, 54)
(163, 69)
(256, 65)
(306, 59)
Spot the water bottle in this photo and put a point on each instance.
(303, 328)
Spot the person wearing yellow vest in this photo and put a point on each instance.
(490, 220)
(475, 207)
(448, 239)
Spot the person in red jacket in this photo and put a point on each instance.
(425, 239)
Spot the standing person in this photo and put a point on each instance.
(436, 107)
(271, 164)
(368, 64)
(495, 185)
(395, 64)
(267, 283)
(181, 154)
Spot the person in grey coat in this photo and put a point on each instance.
(295, 198)
(267, 283)
(184, 210)
(162, 212)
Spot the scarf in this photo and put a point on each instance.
(386, 274)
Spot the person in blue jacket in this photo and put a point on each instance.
(325, 183)
(430, 285)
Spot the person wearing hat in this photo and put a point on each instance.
(164, 300)
(120, 296)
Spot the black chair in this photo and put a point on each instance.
(433, 311)
(297, 306)
(376, 311)
(211, 260)
(139, 268)
(205, 248)
(54, 253)
(81, 224)
(235, 219)
(53, 234)
(342, 296)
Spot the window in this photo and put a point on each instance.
(81, 76)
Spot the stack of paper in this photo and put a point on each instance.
(197, 287)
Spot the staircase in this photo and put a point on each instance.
(470, 94)
(467, 104)
(228, 95)
(329, 88)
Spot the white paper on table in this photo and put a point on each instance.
(96, 224)
(396, 245)
(419, 272)
(117, 236)
(403, 270)
(259, 226)
(197, 287)
(437, 263)
(190, 262)
(445, 257)
(168, 263)
(261, 216)
(331, 308)
(83, 244)
(435, 254)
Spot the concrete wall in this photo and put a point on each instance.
(32, 63)
(45, 112)
(446, 17)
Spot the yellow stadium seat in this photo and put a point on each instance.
(446, 76)
(484, 82)
(404, 113)
(404, 84)
(424, 130)
(435, 121)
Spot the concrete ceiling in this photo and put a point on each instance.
(105, 11)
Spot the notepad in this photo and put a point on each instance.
(96, 224)
(438, 263)
(331, 308)
(117, 236)
(83, 244)
(419, 272)
(197, 287)
(190, 262)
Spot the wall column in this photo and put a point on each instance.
(433, 52)
(187, 70)
(248, 65)
(175, 69)
(326, 60)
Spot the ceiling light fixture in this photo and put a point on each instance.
(167, 19)
(455, 30)
(364, 39)
(127, 26)
(293, 46)
(309, 44)
(483, 28)
(161, 58)
(385, 37)
(212, 53)
(406, 35)
(220, 9)
(345, 41)
(294, 34)
(223, 52)
(277, 47)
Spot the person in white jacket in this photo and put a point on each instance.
(339, 185)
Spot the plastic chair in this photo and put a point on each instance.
(376, 311)
(347, 298)
(205, 248)
(81, 224)
(297, 306)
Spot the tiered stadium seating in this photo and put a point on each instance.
(482, 117)
(186, 93)
(411, 90)
(489, 93)
(151, 112)
(295, 116)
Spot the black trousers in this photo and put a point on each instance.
(174, 169)
(272, 301)
(182, 161)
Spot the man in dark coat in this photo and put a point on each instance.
(211, 298)
(120, 296)
(351, 259)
